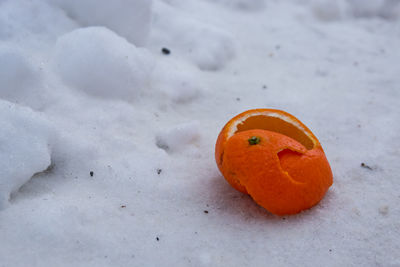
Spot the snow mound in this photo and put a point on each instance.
(326, 10)
(389, 9)
(25, 17)
(179, 136)
(25, 139)
(242, 4)
(101, 63)
(20, 78)
(130, 19)
(212, 51)
(176, 81)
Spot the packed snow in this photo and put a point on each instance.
(109, 113)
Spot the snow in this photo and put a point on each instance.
(180, 32)
(18, 76)
(86, 58)
(176, 82)
(129, 131)
(178, 136)
(242, 4)
(25, 140)
(130, 19)
(333, 10)
(21, 19)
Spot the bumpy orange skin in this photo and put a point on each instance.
(279, 173)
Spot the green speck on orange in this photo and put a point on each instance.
(254, 140)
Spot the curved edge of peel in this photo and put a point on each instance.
(230, 128)
(275, 113)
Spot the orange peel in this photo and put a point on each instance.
(272, 156)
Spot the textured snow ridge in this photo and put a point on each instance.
(25, 139)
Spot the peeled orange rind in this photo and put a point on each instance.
(272, 156)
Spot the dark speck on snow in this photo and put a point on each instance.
(165, 51)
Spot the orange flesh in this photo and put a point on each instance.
(277, 125)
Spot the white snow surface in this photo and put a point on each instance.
(129, 130)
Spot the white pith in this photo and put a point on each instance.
(234, 127)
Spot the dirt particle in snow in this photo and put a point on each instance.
(363, 165)
(165, 51)
(384, 210)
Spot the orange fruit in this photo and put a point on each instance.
(272, 156)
